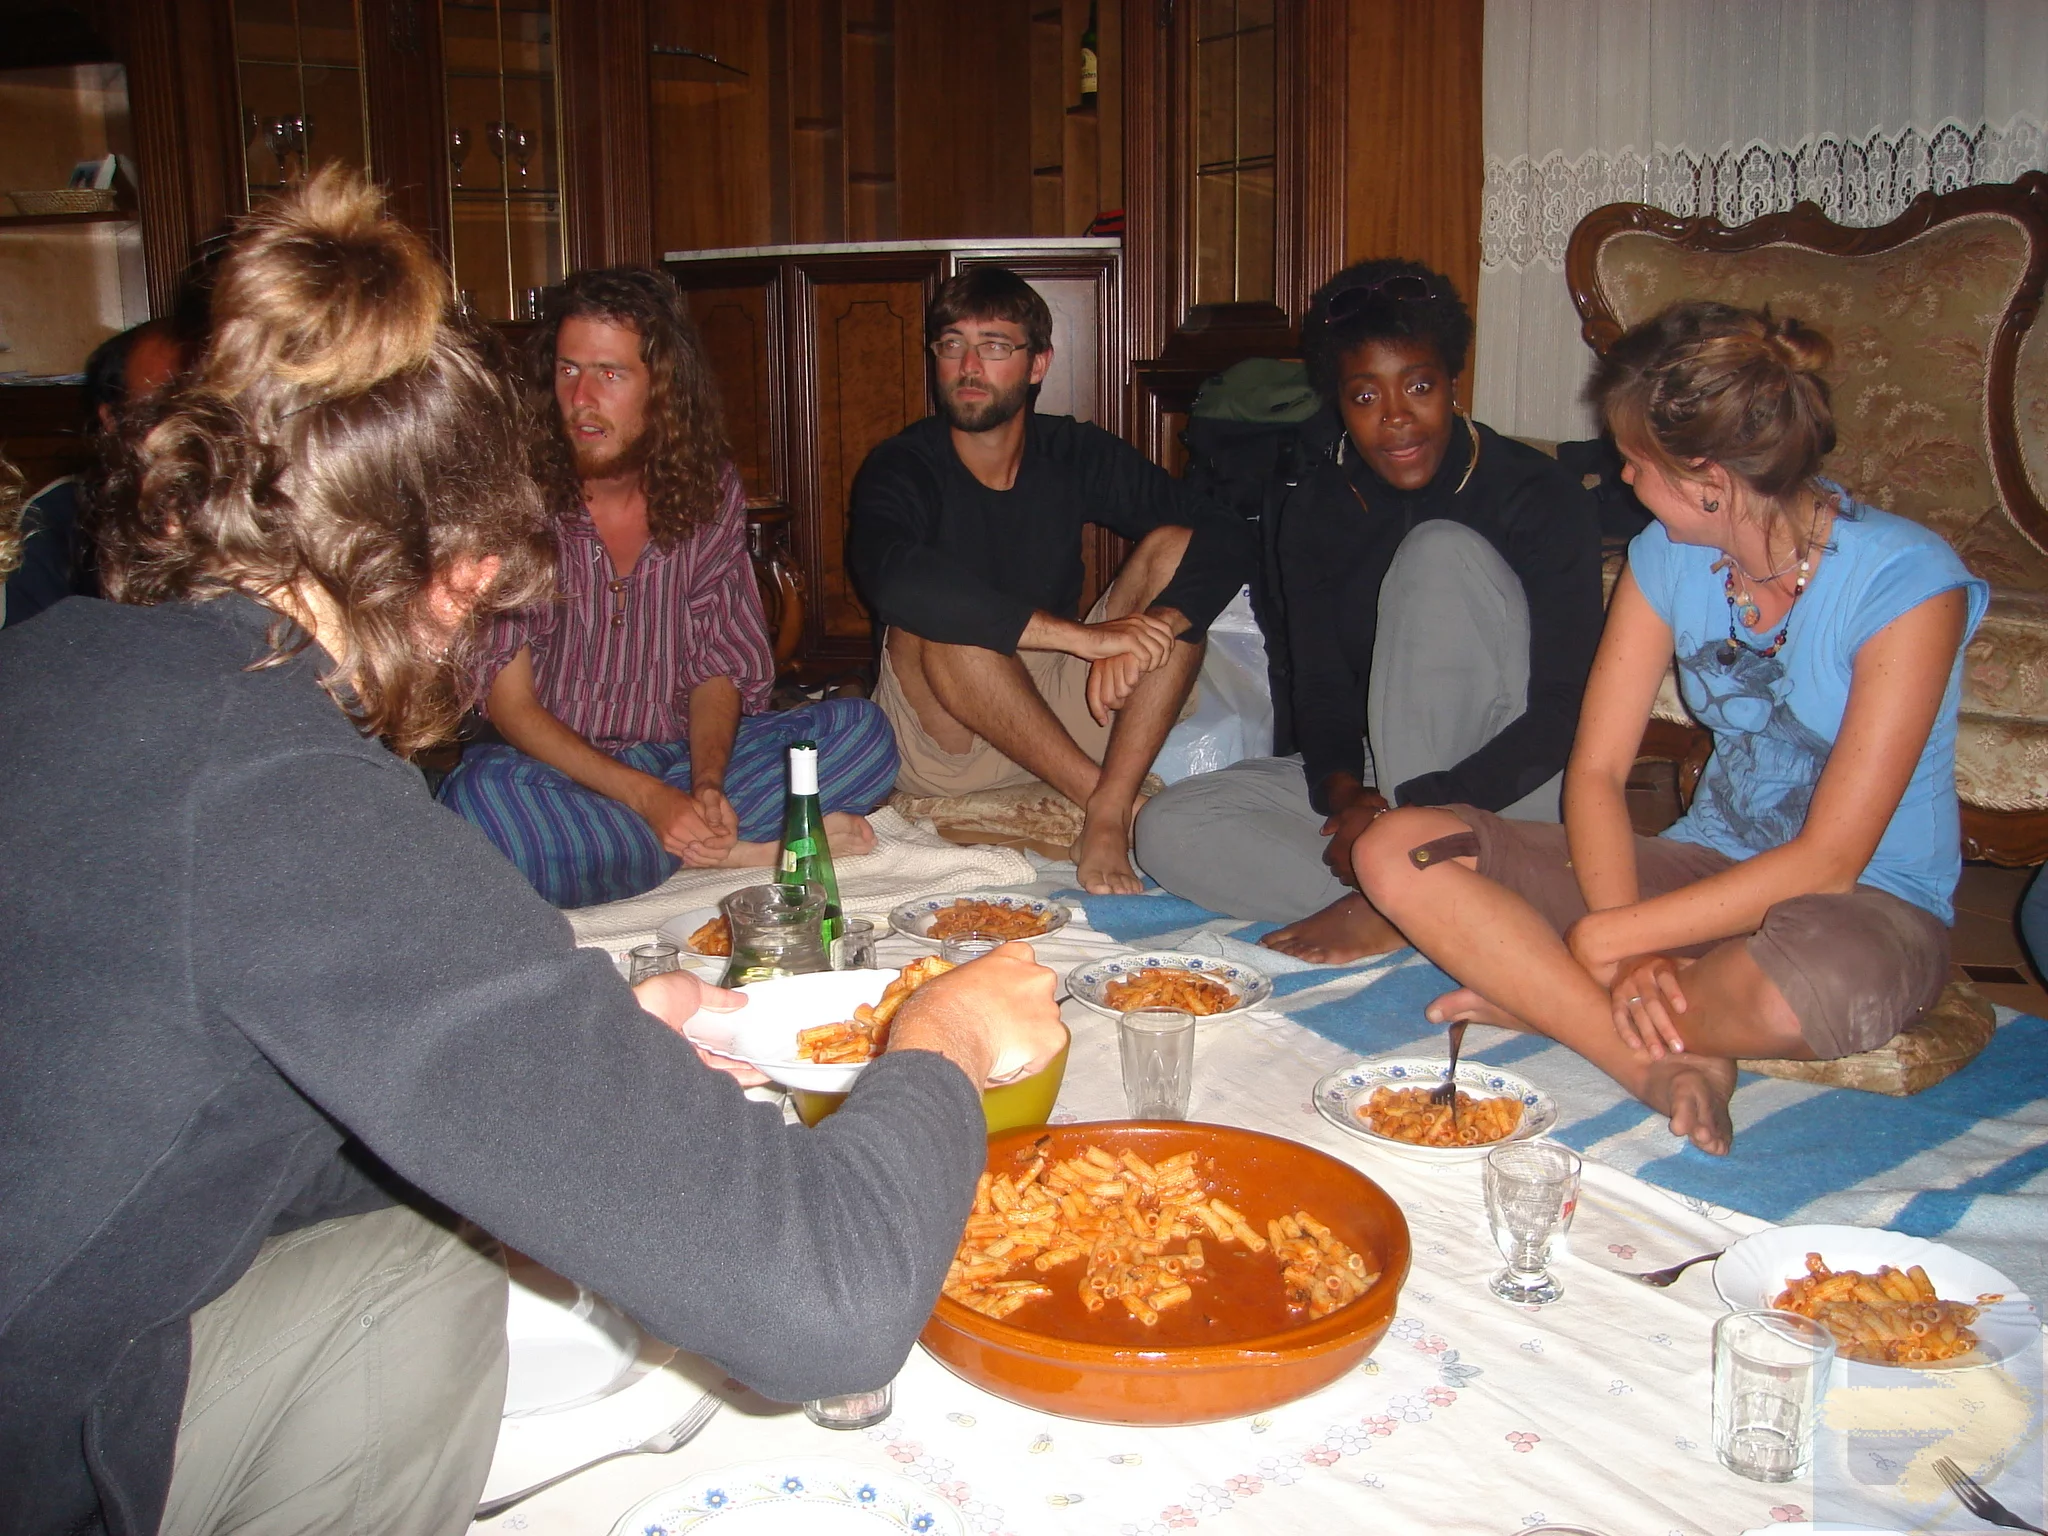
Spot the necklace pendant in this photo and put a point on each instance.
(1749, 613)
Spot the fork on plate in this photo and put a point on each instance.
(1448, 1093)
(1970, 1493)
(674, 1437)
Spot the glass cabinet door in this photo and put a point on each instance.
(299, 69)
(504, 153)
(1233, 84)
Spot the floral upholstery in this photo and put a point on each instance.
(1912, 329)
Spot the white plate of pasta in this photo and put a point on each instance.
(1385, 1104)
(765, 1033)
(1004, 914)
(1207, 986)
(1874, 1319)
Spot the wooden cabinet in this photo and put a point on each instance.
(819, 351)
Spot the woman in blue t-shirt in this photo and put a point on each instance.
(1801, 908)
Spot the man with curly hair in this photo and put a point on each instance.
(631, 711)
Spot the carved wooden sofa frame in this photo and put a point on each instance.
(1955, 438)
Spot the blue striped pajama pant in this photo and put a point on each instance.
(580, 848)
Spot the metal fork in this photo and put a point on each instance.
(1663, 1277)
(1971, 1494)
(673, 1438)
(1448, 1093)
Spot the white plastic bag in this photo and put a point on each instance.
(1233, 716)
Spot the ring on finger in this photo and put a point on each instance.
(1635, 999)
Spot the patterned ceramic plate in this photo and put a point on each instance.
(1753, 1271)
(1341, 1094)
(914, 919)
(1091, 979)
(813, 1497)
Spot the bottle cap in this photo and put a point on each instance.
(803, 768)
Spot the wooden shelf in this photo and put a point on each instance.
(104, 216)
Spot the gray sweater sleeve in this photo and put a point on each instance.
(384, 958)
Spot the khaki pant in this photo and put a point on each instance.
(928, 769)
(349, 1384)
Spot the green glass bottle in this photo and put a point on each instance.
(1089, 66)
(806, 856)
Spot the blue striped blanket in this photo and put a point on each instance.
(1966, 1161)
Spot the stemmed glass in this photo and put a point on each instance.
(522, 148)
(496, 138)
(458, 150)
(1532, 1187)
(277, 138)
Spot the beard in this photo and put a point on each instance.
(999, 407)
(608, 458)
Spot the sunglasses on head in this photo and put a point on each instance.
(1401, 288)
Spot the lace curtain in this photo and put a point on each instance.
(1734, 108)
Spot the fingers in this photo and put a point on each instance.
(1098, 705)
(739, 1071)
(712, 999)
(672, 997)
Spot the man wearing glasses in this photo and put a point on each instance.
(965, 541)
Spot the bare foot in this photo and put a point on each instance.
(849, 835)
(1345, 930)
(1102, 853)
(1465, 1006)
(1694, 1091)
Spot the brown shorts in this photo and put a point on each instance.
(1857, 968)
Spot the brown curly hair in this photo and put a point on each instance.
(10, 517)
(338, 446)
(687, 454)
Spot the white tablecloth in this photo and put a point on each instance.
(1471, 1416)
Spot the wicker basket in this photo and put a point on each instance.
(70, 200)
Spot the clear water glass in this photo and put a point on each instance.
(963, 947)
(1770, 1372)
(1532, 1188)
(854, 949)
(656, 958)
(853, 1410)
(1158, 1046)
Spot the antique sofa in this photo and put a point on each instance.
(1940, 386)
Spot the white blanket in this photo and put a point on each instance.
(910, 860)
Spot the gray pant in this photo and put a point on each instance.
(1450, 670)
(351, 1382)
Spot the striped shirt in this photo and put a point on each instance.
(615, 658)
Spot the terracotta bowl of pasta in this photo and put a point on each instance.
(1184, 1286)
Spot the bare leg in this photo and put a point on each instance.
(1347, 929)
(963, 691)
(1501, 948)
(845, 833)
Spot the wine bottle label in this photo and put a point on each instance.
(802, 848)
(1089, 70)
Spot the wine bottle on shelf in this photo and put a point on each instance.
(806, 856)
(1089, 67)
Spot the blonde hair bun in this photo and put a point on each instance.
(327, 296)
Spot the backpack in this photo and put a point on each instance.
(1254, 433)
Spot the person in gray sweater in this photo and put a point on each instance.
(270, 1019)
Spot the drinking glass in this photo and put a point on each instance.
(458, 150)
(853, 1410)
(776, 931)
(854, 949)
(1531, 1188)
(1158, 1046)
(520, 142)
(1770, 1370)
(963, 947)
(652, 959)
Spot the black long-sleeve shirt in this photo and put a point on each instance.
(1338, 535)
(232, 933)
(935, 552)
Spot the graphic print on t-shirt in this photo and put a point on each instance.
(1760, 745)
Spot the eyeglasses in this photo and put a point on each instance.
(953, 348)
(1402, 288)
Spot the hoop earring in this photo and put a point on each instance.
(1343, 442)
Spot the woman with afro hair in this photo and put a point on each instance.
(1441, 592)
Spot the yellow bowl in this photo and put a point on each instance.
(1028, 1101)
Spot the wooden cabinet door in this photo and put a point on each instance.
(860, 378)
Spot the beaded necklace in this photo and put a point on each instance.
(1743, 612)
